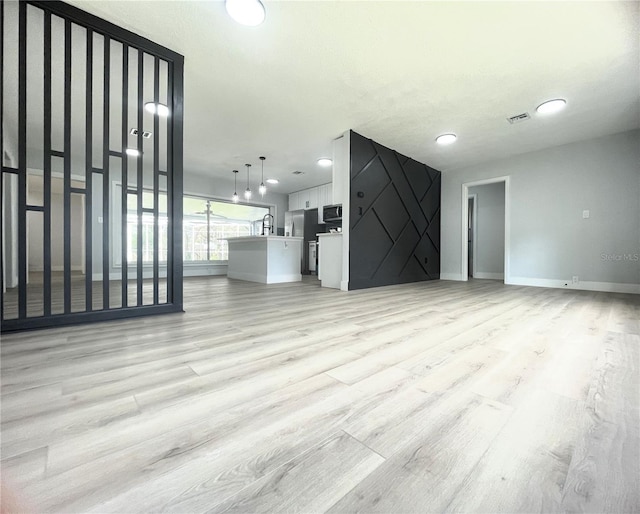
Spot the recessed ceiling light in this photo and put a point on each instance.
(446, 139)
(246, 12)
(132, 152)
(551, 106)
(325, 162)
(152, 107)
(273, 181)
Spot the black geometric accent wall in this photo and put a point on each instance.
(394, 217)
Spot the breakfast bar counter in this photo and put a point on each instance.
(265, 259)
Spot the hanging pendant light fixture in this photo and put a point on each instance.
(262, 189)
(235, 186)
(247, 192)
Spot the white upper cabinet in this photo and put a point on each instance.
(294, 201)
(304, 199)
(315, 197)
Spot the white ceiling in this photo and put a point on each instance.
(398, 72)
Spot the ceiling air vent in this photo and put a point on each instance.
(519, 118)
(298, 172)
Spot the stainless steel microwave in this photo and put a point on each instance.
(332, 213)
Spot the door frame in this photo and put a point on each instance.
(474, 231)
(507, 225)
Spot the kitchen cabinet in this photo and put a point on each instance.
(304, 199)
(324, 198)
(312, 198)
(294, 201)
(330, 260)
(265, 259)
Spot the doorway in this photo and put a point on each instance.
(471, 234)
(486, 229)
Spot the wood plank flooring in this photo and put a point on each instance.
(428, 397)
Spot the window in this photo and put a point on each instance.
(147, 228)
(207, 223)
(205, 226)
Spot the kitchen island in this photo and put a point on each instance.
(265, 259)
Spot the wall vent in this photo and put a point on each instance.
(519, 117)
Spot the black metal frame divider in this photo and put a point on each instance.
(93, 27)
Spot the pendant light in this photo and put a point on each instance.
(262, 189)
(235, 186)
(247, 192)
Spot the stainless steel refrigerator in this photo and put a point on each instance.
(304, 224)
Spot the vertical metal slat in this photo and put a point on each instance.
(2, 201)
(139, 178)
(88, 155)
(105, 175)
(47, 166)
(67, 167)
(125, 177)
(22, 160)
(170, 197)
(177, 112)
(156, 180)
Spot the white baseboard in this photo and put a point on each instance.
(263, 279)
(451, 276)
(40, 269)
(606, 287)
(488, 275)
(200, 271)
(287, 277)
(344, 285)
(97, 277)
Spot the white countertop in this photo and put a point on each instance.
(329, 234)
(262, 238)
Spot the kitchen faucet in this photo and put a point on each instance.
(267, 223)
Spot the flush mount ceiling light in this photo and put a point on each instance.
(235, 186)
(272, 181)
(153, 107)
(551, 106)
(132, 152)
(246, 12)
(262, 189)
(247, 192)
(446, 139)
(324, 161)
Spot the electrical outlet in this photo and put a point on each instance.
(99, 219)
(575, 279)
(585, 214)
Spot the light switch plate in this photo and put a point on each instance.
(585, 214)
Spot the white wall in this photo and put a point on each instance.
(550, 242)
(342, 195)
(35, 233)
(489, 236)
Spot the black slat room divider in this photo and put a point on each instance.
(91, 148)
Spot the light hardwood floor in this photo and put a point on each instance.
(428, 397)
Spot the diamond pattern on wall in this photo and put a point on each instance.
(394, 217)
